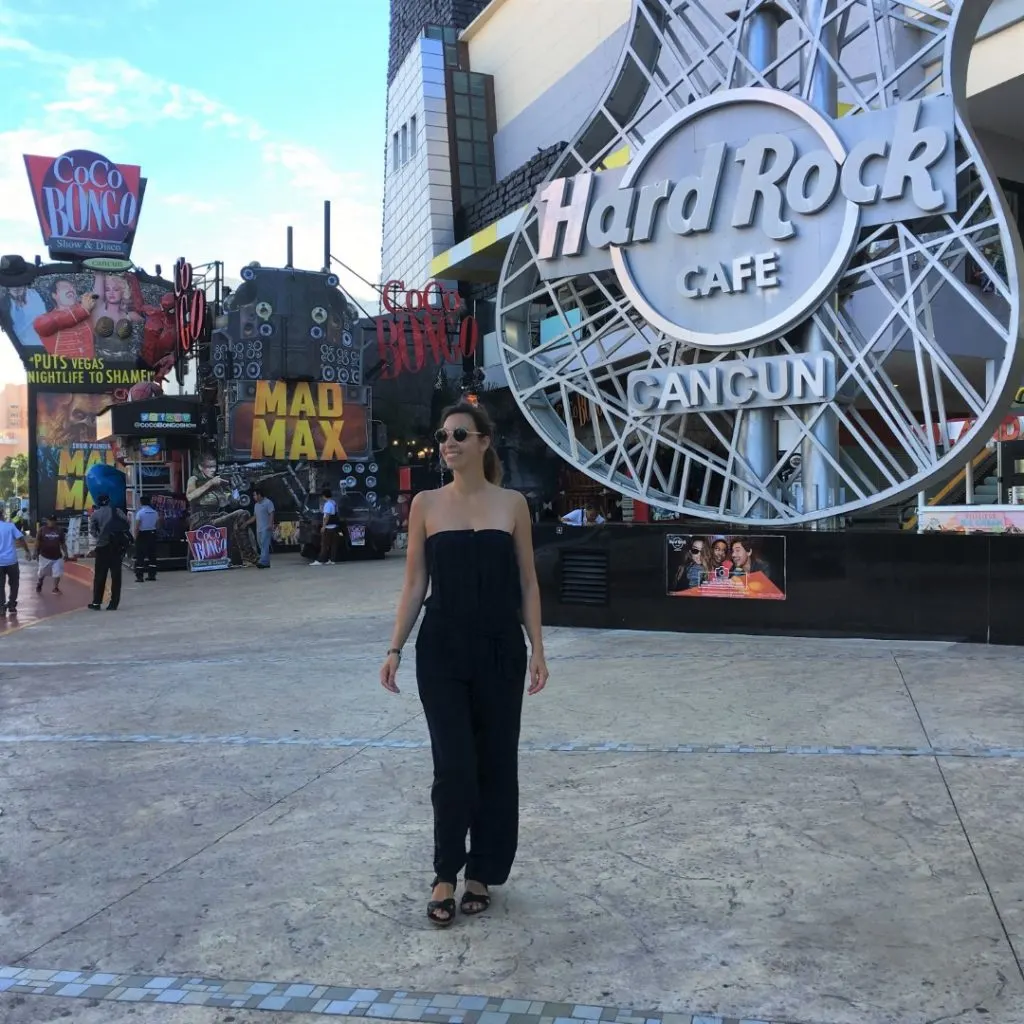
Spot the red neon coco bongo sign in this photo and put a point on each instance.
(430, 318)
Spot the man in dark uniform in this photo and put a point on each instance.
(147, 522)
(109, 530)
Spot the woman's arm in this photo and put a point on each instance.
(414, 590)
(523, 537)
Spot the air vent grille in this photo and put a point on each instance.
(584, 577)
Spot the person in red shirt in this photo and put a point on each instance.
(50, 553)
(66, 331)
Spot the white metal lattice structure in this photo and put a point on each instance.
(568, 345)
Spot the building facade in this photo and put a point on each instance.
(544, 68)
(13, 420)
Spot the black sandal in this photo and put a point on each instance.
(437, 907)
(475, 902)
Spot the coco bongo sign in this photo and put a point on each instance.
(189, 315)
(736, 221)
(87, 205)
(421, 323)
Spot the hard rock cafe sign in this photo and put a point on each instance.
(760, 281)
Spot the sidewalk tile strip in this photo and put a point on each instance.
(323, 1000)
(575, 747)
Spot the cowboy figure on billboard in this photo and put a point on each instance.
(208, 497)
(67, 331)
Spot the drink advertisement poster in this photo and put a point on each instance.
(208, 548)
(743, 567)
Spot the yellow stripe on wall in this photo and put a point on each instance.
(439, 264)
(486, 237)
(617, 159)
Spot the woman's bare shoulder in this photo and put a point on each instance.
(424, 500)
(509, 498)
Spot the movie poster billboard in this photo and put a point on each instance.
(68, 458)
(321, 422)
(89, 329)
(741, 567)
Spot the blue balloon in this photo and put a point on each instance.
(108, 480)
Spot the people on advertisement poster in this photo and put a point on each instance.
(26, 305)
(11, 538)
(66, 330)
(115, 300)
(744, 566)
(747, 562)
(210, 498)
(51, 551)
(121, 323)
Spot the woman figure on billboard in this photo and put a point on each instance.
(472, 542)
(695, 568)
(115, 299)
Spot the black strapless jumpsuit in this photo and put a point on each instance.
(471, 670)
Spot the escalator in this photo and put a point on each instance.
(955, 491)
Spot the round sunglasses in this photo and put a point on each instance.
(458, 434)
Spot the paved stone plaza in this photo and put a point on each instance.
(210, 806)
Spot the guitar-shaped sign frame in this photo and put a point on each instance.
(764, 243)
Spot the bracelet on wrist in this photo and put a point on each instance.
(395, 650)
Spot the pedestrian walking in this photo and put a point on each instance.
(51, 550)
(11, 538)
(472, 542)
(109, 530)
(263, 517)
(328, 529)
(147, 521)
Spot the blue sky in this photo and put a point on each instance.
(244, 117)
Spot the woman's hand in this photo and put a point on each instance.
(389, 673)
(538, 672)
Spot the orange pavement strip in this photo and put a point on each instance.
(76, 593)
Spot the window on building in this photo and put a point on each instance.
(471, 109)
(403, 143)
(454, 51)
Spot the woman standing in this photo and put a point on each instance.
(472, 542)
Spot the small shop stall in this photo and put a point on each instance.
(156, 441)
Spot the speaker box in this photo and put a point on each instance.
(288, 324)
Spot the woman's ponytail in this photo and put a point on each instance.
(492, 465)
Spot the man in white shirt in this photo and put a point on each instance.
(147, 522)
(328, 529)
(11, 538)
(586, 516)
